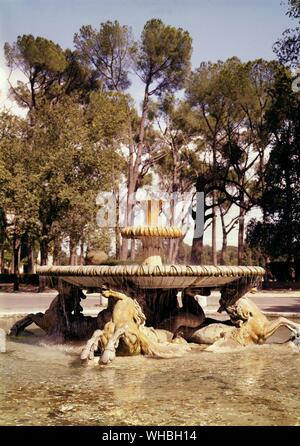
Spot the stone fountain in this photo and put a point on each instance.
(145, 295)
(155, 285)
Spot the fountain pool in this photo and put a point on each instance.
(44, 384)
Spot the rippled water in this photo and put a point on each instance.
(46, 385)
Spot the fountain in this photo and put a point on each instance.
(144, 317)
(47, 386)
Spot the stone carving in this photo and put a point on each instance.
(248, 326)
(127, 334)
(64, 320)
(153, 286)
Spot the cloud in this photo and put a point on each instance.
(6, 103)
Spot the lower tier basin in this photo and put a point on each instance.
(149, 276)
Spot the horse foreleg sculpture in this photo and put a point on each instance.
(126, 334)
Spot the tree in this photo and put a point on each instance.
(162, 61)
(279, 233)
(64, 118)
(50, 72)
(287, 48)
(176, 160)
(224, 208)
(42, 62)
(230, 100)
(207, 93)
(18, 196)
(73, 161)
(106, 53)
(277, 236)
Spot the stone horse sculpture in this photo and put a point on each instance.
(64, 320)
(247, 325)
(127, 334)
(120, 328)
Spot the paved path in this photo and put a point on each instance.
(287, 302)
(23, 303)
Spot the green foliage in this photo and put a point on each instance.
(106, 52)
(287, 48)
(75, 164)
(51, 173)
(42, 62)
(294, 9)
(279, 234)
(17, 194)
(80, 124)
(162, 58)
(107, 115)
(38, 54)
(230, 101)
(177, 159)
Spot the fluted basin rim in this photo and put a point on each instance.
(132, 232)
(151, 271)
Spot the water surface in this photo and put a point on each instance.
(42, 384)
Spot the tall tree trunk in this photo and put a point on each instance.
(81, 258)
(224, 238)
(27, 251)
(2, 238)
(16, 254)
(224, 247)
(197, 251)
(16, 260)
(2, 265)
(125, 242)
(172, 243)
(241, 234)
(30, 264)
(131, 223)
(73, 251)
(56, 252)
(133, 172)
(44, 251)
(214, 232)
(214, 214)
(289, 212)
(129, 201)
(197, 244)
(117, 228)
(44, 247)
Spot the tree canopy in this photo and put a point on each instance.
(229, 129)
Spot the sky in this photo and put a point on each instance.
(219, 28)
